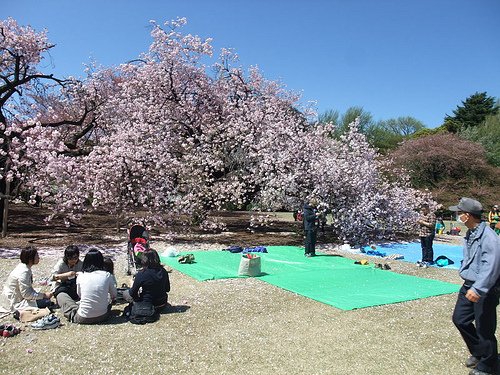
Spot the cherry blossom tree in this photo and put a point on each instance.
(161, 134)
(34, 107)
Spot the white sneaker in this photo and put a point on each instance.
(47, 322)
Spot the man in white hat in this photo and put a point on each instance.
(475, 313)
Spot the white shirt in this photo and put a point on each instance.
(93, 289)
(62, 267)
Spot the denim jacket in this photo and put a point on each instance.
(481, 263)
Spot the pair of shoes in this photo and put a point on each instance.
(307, 255)
(363, 262)
(8, 330)
(47, 322)
(187, 259)
(425, 265)
(475, 371)
(471, 362)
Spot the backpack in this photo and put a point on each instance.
(141, 312)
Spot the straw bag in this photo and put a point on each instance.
(249, 265)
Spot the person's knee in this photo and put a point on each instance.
(61, 298)
(457, 319)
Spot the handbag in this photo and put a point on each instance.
(249, 266)
(143, 312)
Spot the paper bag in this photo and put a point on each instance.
(249, 266)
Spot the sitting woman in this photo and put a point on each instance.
(19, 286)
(109, 266)
(93, 286)
(64, 273)
(149, 290)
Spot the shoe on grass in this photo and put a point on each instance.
(186, 259)
(10, 330)
(47, 322)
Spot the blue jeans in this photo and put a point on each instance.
(427, 250)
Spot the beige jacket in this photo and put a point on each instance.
(19, 289)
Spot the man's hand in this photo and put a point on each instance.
(472, 296)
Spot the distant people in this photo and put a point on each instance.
(440, 226)
(322, 218)
(494, 219)
(19, 286)
(63, 274)
(427, 223)
(310, 227)
(94, 287)
(299, 215)
(479, 296)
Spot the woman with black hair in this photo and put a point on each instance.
(64, 272)
(19, 286)
(93, 286)
(148, 293)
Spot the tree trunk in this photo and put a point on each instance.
(5, 211)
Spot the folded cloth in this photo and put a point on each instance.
(234, 249)
(376, 253)
(256, 249)
(395, 256)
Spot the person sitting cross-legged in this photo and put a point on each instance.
(148, 293)
(94, 287)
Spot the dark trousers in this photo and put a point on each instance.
(427, 250)
(310, 242)
(480, 339)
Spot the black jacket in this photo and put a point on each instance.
(155, 286)
(309, 218)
